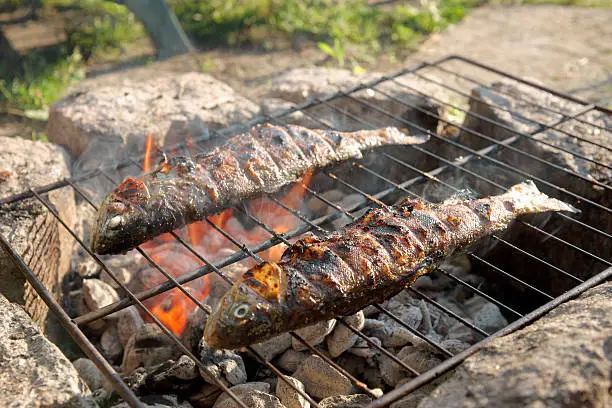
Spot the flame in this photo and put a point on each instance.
(173, 307)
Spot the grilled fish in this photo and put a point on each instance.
(184, 190)
(368, 261)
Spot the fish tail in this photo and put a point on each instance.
(525, 198)
(404, 137)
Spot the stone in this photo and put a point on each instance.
(91, 374)
(33, 371)
(273, 347)
(129, 322)
(363, 349)
(223, 365)
(420, 357)
(288, 395)
(321, 379)
(564, 359)
(252, 399)
(391, 333)
(313, 335)
(290, 360)
(343, 338)
(169, 106)
(489, 318)
(346, 401)
(244, 388)
(122, 273)
(148, 347)
(32, 231)
(159, 401)
(110, 342)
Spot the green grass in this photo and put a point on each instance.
(579, 3)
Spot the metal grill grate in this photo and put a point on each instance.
(452, 170)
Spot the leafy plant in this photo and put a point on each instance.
(337, 52)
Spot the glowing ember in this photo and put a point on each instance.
(173, 307)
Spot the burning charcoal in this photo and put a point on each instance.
(411, 400)
(489, 318)
(287, 394)
(194, 329)
(322, 380)
(391, 335)
(371, 311)
(129, 322)
(343, 338)
(291, 359)
(252, 398)
(98, 294)
(363, 349)
(313, 335)
(224, 365)
(273, 347)
(420, 357)
(243, 389)
(148, 347)
(122, 273)
(179, 377)
(454, 346)
(159, 401)
(111, 343)
(346, 401)
(89, 373)
(185, 369)
(373, 377)
(462, 333)
(205, 396)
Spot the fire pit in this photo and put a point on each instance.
(157, 297)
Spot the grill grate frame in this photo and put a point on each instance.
(367, 200)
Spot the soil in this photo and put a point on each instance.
(562, 47)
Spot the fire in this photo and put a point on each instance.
(173, 307)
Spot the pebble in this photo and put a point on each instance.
(252, 399)
(321, 379)
(273, 347)
(288, 395)
(346, 401)
(343, 338)
(98, 294)
(90, 373)
(129, 322)
(224, 365)
(313, 335)
(291, 359)
(242, 389)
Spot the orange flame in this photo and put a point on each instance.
(173, 307)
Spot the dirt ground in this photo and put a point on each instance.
(566, 48)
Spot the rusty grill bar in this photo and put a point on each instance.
(577, 284)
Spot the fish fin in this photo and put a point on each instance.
(525, 198)
(402, 136)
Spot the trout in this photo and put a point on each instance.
(366, 262)
(188, 189)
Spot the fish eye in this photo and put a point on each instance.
(241, 310)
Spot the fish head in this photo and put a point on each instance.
(121, 221)
(250, 312)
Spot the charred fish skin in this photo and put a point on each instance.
(262, 160)
(368, 261)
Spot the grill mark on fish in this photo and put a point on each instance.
(368, 261)
(263, 160)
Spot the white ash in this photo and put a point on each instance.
(224, 365)
(313, 335)
(321, 379)
(343, 338)
(288, 395)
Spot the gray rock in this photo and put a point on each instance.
(243, 389)
(313, 335)
(91, 374)
(489, 318)
(274, 346)
(252, 399)
(159, 401)
(33, 371)
(111, 343)
(98, 294)
(148, 347)
(421, 357)
(391, 333)
(564, 360)
(224, 365)
(322, 380)
(291, 359)
(362, 348)
(170, 377)
(346, 401)
(288, 395)
(170, 107)
(343, 338)
(33, 232)
(122, 273)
